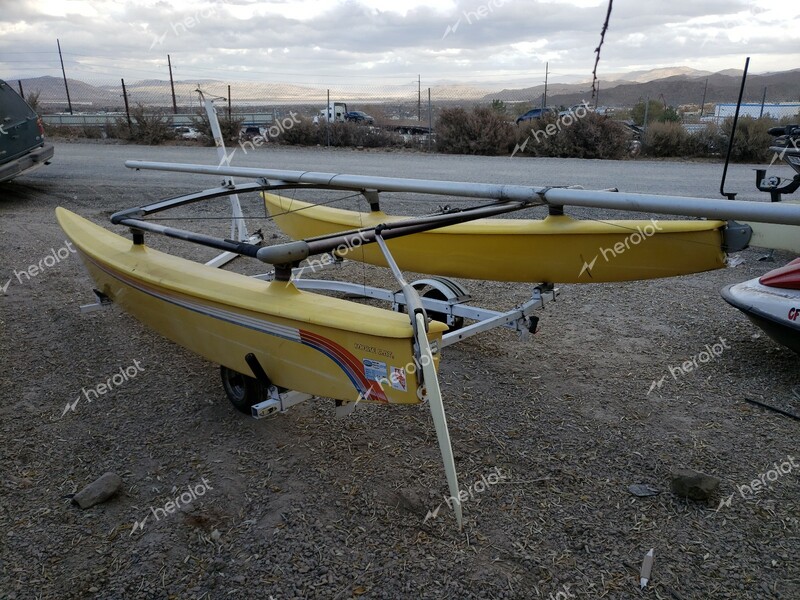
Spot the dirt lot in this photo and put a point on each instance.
(305, 506)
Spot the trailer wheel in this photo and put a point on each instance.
(243, 391)
(438, 288)
(454, 323)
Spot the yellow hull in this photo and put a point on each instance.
(555, 249)
(305, 342)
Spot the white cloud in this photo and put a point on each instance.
(387, 41)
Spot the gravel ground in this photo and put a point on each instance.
(305, 506)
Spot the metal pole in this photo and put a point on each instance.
(763, 99)
(172, 85)
(544, 97)
(763, 212)
(328, 120)
(229, 103)
(419, 99)
(703, 104)
(64, 73)
(732, 195)
(127, 108)
(21, 93)
(430, 121)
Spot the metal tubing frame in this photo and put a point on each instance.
(553, 196)
(485, 318)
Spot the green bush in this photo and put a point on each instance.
(478, 131)
(670, 115)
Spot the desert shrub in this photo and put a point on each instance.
(66, 132)
(304, 133)
(32, 98)
(478, 131)
(150, 129)
(752, 141)
(707, 142)
(341, 134)
(666, 139)
(230, 128)
(372, 137)
(91, 133)
(575, 135)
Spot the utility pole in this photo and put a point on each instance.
(64, 73)
(703, 104)
(419, 99)
(763, 99)
(172, 85)
(229, 103)
(544, 97)
(430, 121)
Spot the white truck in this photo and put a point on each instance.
(334, 113)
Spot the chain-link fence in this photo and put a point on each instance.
(88, 98)
(100, 101)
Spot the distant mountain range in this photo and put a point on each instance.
(681, 86)
(675, 86)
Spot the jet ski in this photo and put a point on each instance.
(772, 302)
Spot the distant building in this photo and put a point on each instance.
(756, 110)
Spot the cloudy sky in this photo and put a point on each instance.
(464, 41)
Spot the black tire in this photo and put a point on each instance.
(242, 390)
(434, 294)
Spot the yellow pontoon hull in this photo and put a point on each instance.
(555, 249)
(305, 342)
(776, 237)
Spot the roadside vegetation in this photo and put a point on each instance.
(488, 130)
(352, 135)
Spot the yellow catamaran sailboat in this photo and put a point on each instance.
(279, 343)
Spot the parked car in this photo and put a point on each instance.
(357, 116)
(534, 113)
(22, 145)
(188, 133)
(252, 131)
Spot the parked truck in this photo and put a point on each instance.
(334, 113)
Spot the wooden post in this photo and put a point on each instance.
(430, 121)
(64, 73)
(328, 117)
(419, 99)
(172, 85)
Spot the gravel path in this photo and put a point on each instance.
(305, 506)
